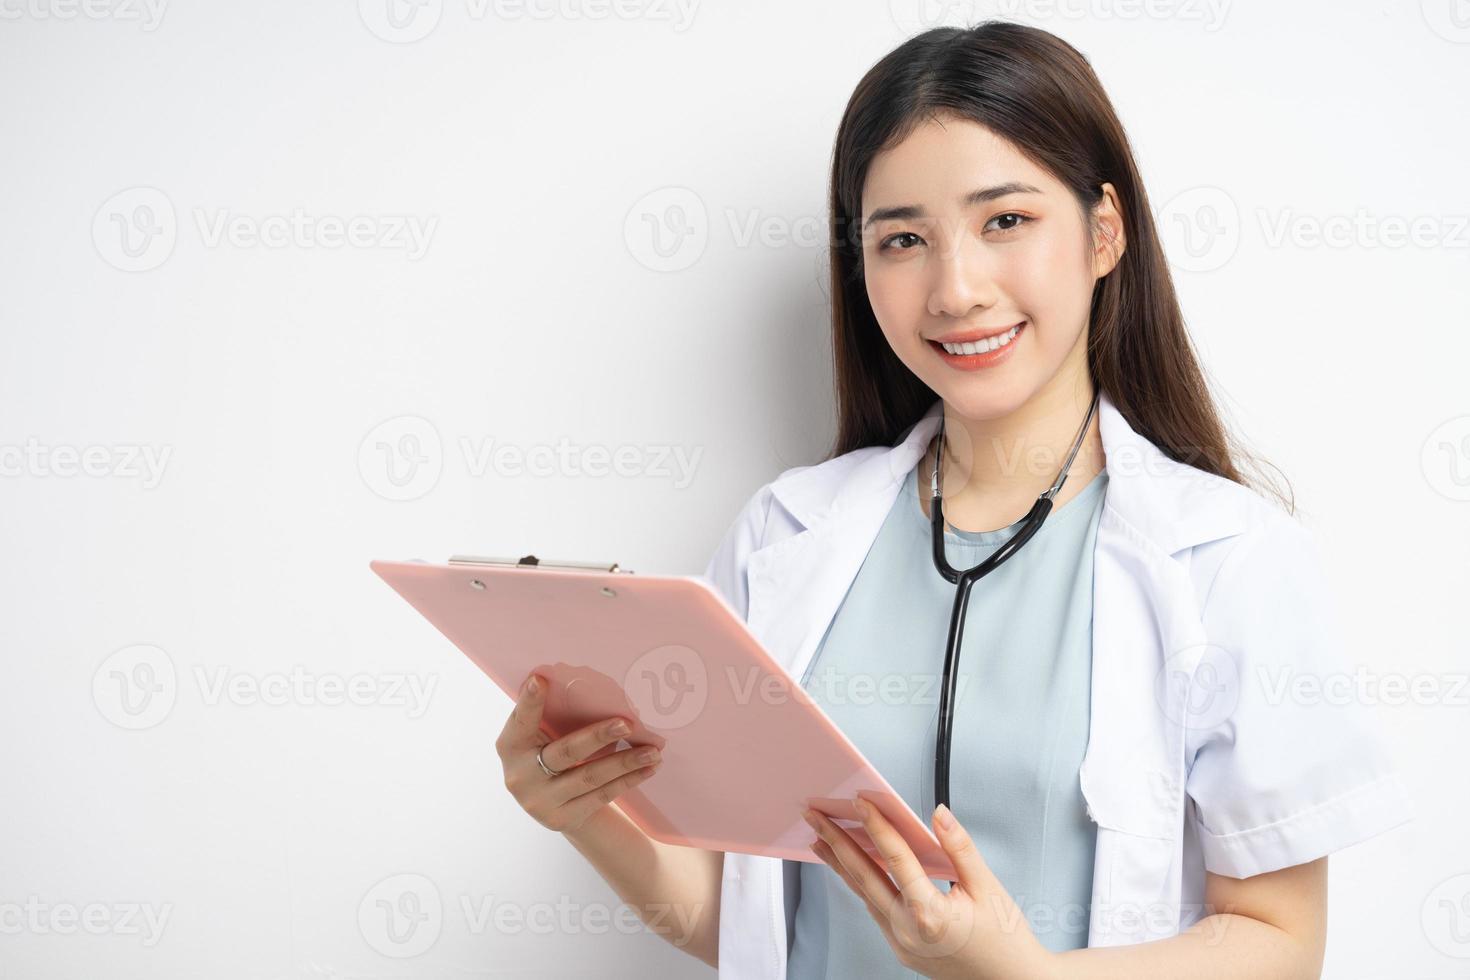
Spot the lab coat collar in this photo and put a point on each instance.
(1157, 496)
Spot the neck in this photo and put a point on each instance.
(994, 469)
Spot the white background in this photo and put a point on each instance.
(539, 147)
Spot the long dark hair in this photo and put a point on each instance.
(1040, 93)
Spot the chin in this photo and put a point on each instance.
(982, 398)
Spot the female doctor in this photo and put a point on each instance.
(1133, 791)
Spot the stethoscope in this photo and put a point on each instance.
(966, 579)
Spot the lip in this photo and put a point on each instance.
(979, 333)
(979, 362)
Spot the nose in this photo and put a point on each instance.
(962, 280)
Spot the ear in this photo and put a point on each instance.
(1107, 223)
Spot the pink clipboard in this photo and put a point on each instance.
(744, 747)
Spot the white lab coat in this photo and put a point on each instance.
(1203, 591)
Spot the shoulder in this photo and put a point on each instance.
(744, 534)
(773, 511)
(1219, 528)
(1264, 591)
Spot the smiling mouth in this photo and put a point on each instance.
(988, 344)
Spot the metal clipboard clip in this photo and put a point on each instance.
(531, 561)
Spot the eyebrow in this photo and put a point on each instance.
(904, 212)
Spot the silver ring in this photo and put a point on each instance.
(542, 763)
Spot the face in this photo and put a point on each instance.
(945, 263)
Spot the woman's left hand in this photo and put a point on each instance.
(974, 931)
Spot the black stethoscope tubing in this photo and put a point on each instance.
(965, 579)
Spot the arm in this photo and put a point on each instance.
(675, 890)
(1274, 928)
(1279, 783)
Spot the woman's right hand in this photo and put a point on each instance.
(565, 802)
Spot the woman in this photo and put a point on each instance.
(1133, 793)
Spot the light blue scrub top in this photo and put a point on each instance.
(1020, 720)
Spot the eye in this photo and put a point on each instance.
(886, 244)
(1020, 220)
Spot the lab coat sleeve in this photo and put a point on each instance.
(1293, 768)
(726, 570)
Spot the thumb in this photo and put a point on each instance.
(974, 873)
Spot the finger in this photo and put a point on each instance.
(872, 882)
(580, 808)
(574, 747)
(824, 851)
(975, 875)
(898, 857)
(880, 916)
(523, 727)
(582, 779)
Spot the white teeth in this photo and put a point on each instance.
(981, 346)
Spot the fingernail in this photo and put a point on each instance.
(531, 684)
(864, 809)
(810, 816)
(619, 728)
(946, 819)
